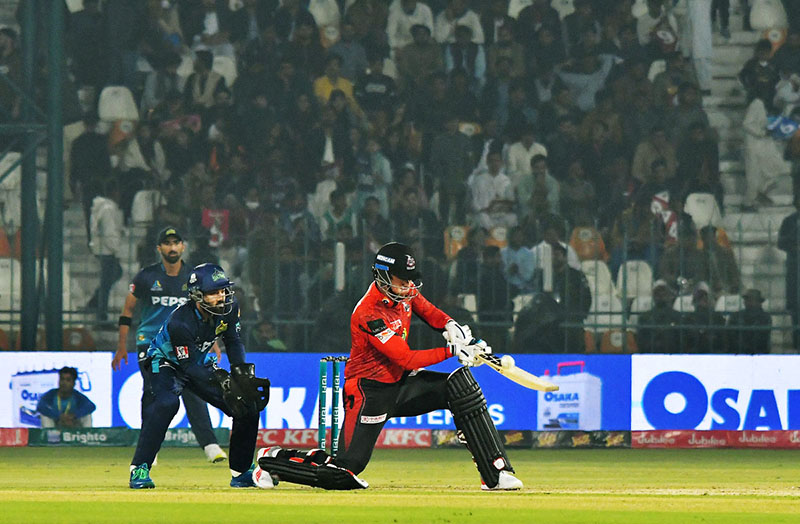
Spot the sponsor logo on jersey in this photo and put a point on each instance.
(406, 307)
(222, 326)
(168, 301)
(182, 352)
(385, 335)
(376, 326)
(383, 258)
(140, 338)
(376, 419)
(396, 324)
(156, 286)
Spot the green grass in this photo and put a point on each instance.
(420, 486)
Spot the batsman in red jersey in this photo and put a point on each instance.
(384, 379)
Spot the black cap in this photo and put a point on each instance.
(167, 232)
(398, 260)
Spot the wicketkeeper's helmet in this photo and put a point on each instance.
(207, 278)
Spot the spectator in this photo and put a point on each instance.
(203, 85)
(450, 162)
(518, 263)
(554, 230)
(494, 16)
(753, 335)
(465, 54)
(506, 47)
(327, 16)
(539, 193)
(571, 291)
(493, 299)
(657, 330)
(656, 146)
(373, 227)
(787, 94)
(337, 215)
(720, 262)
(90, 165)
(496, 97)
(637, 232)
(683, 261)
(352, 53)
(698, 150)
(667, 82)
(374, 90)
(376, 179)
(657, 18)
(332, 81)
(763, 158)
(468, 261)
(758, 73)
(604, 112)
(418, 60)
(160, 82)
(63, 407)
(492, 193)
(585, 74)
(688, 111)
(403, 15)
(562, 145)
(577, 193)
(250, 21)
(581, 28)
(208, 26)
(699, 34)
(87, 32)
(787, 58)
(304, 49)
(704, 330)
(722, 8)
(562, 104)
(520, 154)
(415, 223)
(264, 337)
(519, 113)
(455, 14)
(106, 238)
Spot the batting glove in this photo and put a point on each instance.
(455, 333)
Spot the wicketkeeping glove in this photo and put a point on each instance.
(232, 394)
(468, 353)
(255, 389)
(455, 333)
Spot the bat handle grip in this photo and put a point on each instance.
(581, 363)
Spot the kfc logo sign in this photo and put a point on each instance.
(404, 438)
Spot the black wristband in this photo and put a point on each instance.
(124, 321)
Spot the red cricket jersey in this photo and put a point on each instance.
(379, 330)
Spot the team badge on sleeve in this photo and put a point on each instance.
(380, 330)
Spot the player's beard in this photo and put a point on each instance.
(172, 257)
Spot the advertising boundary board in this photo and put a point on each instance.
(425, 438)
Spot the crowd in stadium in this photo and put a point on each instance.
(300, 124)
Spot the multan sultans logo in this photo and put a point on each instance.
(156, 286)
(218, 275)
(221, 327)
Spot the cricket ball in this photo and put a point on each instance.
(507, 361)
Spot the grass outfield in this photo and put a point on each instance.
(418, 486)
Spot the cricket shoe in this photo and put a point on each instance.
(506, 482)
(255, 477)
(214, 453)
(140, 478)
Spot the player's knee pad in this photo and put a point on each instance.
(311, 468)
(472, 418)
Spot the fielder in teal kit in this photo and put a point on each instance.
(178, 359)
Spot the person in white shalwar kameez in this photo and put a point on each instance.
(763, 157)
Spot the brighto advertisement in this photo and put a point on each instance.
(715, 392)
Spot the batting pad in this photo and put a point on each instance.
(472, 418)
(313, 468)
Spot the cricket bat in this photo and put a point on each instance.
(518, 375)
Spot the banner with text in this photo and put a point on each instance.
(715, 392)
